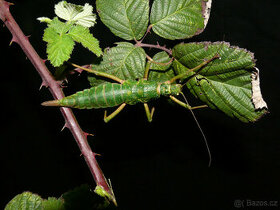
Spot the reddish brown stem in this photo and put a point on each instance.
(57, 93)
(140, 44)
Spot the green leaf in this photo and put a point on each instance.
(59, 47)
(82, 35)
(225, 83)
(60, 27)
(25, 201)
(162, 71)
(80, 198)
(127, 19)
(53, 204)
(80, 15)
(179, 19)
(125, 61)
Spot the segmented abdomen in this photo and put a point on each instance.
(112, 94)
(101, 96)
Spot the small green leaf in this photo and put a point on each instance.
(124, 61)
(60, 27)
(179, 19)
(225, 83)
(44, 19)
(162, 71)
(103, 193)
(25, 201)
(127, 19)
(53, 204)
(59, 47)
(80, 15)
(82, 35)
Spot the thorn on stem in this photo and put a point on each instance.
(44, 84)
(88, 134)
(96, 154)
(79, 70)
(27, 37)
(62, 85)
(65, 126)
(13, 40)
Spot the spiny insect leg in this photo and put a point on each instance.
(112, 115)
(148, 112)
(183, 104)
(180, 76)
(99, 73)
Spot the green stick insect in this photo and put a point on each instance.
(130, 92)
(126, 92)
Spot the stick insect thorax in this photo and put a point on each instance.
(166, 89)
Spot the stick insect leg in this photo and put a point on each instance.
(99, 73)
(112, 115)
(148, 112)
(147, 69)
(179, 76)
(183, 104)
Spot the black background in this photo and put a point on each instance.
(162, 165)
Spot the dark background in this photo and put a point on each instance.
(162, 165)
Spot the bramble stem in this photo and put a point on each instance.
(57, 93)
(140, 44)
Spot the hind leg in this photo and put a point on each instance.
(112, 115)
(183, 104)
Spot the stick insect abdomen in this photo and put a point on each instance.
(101, 96)
(113, 94)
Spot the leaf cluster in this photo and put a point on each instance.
(225, 83)
(79, 198)
(61, 36)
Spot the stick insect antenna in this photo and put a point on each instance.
(201, 131)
